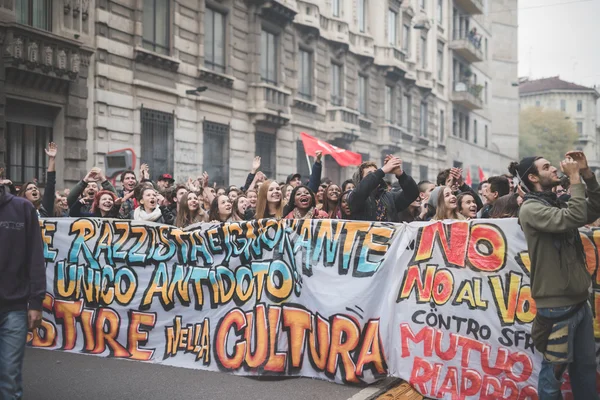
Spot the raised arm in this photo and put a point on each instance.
(50, 190)
(317, 170)
(252, 174)
(593, 189)
(409, 193)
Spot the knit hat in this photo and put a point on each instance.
(522, 169)
(434, 196)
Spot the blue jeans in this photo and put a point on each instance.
(570, 345)
(13, 336)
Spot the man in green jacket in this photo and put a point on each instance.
(560, 284)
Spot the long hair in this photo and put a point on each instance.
(235, 216)
(441, 212)
(261, 202)
(331, 210)
(213, 213)
(291, 205)
(23, 191)
(185, 216)
(506, 207)
(346, 193)
(96, 203)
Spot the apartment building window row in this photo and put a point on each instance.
(305, 74)
(214, 40)
(423, 120)
(336, 84)
(268, 56)
(407, 112)
(392, 28)
(460, 125)
(156, 26)
(36, 13)
(362, 94)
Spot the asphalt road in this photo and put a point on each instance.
(54, 375)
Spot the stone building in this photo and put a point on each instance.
(578, 102)
(415, 78)
(44, 86)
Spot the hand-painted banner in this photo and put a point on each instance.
(446, 307)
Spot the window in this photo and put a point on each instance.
(423, 172)
(440, 11)
(301, 160)
(475, 131)
(389, 104)
(306, 72)
(537, 103)
(265, 149)
(407, 167)
(423, 51)
(406, 39)
(406, 112)
(423, 120)
(580, 128)
(579, 106)
(336, 84)
(36, 13)
(216, 152)
(467, 126)
(214, 40)
(362, 15)
(25, 158)
(485, 48)
(422, 4)
(442, 125)
(440, 61)
(157, 140)
(268, 57)
(485, 93)
(335, 8)
(392, 27)
(156, 26)
(362, 94)
(486, 136)
(454, 123)
(563, 105)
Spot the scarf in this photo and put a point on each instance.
(308, 215)
(141, 215)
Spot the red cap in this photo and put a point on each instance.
(166, 177)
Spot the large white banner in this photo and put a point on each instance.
(446, 307)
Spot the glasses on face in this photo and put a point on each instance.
(31, 188)
(561, 191)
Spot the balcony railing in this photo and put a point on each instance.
(308, 14)
(468, 46)
(391, 57)
(334, 29)
(270, 102)
(392, 133)
(467, 95)
(471, 6)
(362, 45)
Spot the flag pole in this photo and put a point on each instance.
(309, 164)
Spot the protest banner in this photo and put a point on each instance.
(446, 307)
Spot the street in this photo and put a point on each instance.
(50, 375)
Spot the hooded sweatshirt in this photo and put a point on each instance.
(22, 264)
(371, 197)
(559, 276)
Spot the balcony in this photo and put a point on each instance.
(271, 104)
(392, 134)
(334, 30)
(468, 47)
(280, 12)
(308, 15)
(470, 6)
(394, 59)
(424, 79)
(343, 120)
(362, 45)
(411, 71)
(42, 59)
(467, 95)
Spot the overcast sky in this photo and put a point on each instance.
(560, 37)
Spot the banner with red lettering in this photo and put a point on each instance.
(446, 307)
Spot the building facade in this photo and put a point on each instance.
(578, 102)
(415, 78)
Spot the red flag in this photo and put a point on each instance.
(481, 175)
(343, 157)
(468, 179)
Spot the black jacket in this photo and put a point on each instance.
(47, 208)
(362, 200)
(22, 264)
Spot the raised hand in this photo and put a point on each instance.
(145, 171)
(457, 175)
(318, 155)
(205, 179)
(570, 167)
(92, 175)
(580, 158)
(52, 150)
(255, 164)
(394, 165)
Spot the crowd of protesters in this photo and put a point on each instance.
(368, 196)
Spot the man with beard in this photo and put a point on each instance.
(498, 186)
(88, 187)
(563, 329)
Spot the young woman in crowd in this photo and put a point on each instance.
(220, 209)
(447, 206)
(506, 206)
(331, 202)
(240, 205)
(61, 207)
(348, 185)
(270, 201)
(302, 205)
(286, 190)
(221, 191)
(149, 209)
(467, 205)
(345, 206)
(106, 204)
(320, 195)
(189, 211)
(234, 193)
(44, 205)
(414, 212)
